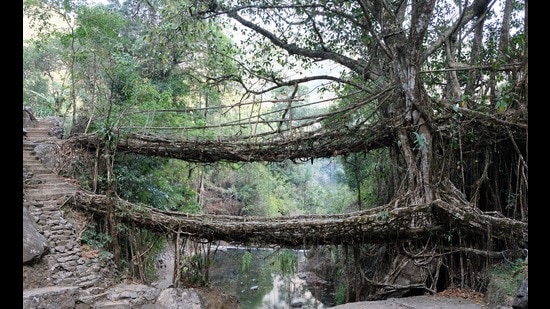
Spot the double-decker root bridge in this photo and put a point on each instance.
(445, 225)
(401, 219)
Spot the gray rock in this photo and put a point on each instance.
(113, 305)
(173, 298)
(136, 294)
(35, 245)
(47, 154)
(297, 303)
(57, 132)
(520, 302)
(28, 116)
(50, 298)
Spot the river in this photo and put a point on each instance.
(262, 285)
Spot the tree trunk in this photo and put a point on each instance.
(111, 216)
(414, 136)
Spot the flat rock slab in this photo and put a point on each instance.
(416, 302)
(52, 297)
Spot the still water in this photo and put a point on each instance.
(262, 285)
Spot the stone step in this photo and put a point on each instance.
(41, 195)
(37, 131)
(35, 137)
(45, 139)
(109, 304)
(29, 157)
(42, 127)
(39, 135)
(28, 150)
(56, 184)
(41, 178)
(31, 160)
(45, 206)
(28, 146)
(49, 185)
(37, 170)
(62, 297)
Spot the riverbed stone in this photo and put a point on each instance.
(520, 302)
(174, 298)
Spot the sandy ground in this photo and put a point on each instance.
(418, 302)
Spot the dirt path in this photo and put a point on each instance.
(418, 302)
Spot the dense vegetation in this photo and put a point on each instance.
(446, 80)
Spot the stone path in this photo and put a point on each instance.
(65, 271)
(65, 278)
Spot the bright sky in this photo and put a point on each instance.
(28, 32)
(26, 29)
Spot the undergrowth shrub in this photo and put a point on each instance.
(504, 281)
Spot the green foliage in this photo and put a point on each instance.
(285, 188)
(505, 280)
(256, 188)
(504, 98)
(96, 239)
(195, 269)
(36, 85)
(159, 182)
(369, 174)
(44, 89)
(286, 261)
(335, 199)
(316, 188)
(383, 216)
(450, 234)
(340, 296)
(420, 141)
(159, 244)
(100, 26)
(246, 261)
(141, 248)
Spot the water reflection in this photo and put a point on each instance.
(261, 285)
(287, 292)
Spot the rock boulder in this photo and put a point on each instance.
(35, 245)
(520, 302)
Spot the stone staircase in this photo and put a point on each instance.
(64, 271)
(65, 278)
(44, 185)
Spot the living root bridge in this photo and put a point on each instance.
(307, 145)
(384, 224)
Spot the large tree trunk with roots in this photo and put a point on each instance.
(414, 136)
